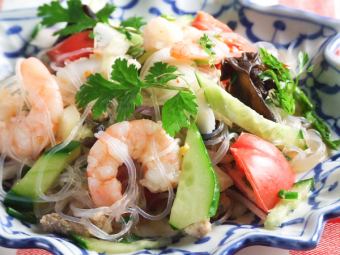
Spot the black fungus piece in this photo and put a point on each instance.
(245, 83)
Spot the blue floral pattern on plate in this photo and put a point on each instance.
(279, 25)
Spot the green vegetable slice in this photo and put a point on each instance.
(198, 190)
(230, 109)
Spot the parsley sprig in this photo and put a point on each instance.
(288, 92)
(126, 88)
(74, 15)
(207, 45)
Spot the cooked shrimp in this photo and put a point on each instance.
(144, 141)
(160, 33)
(24, 135)
(224, 45)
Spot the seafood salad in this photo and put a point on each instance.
(127, 135)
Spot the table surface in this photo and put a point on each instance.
(330, 241)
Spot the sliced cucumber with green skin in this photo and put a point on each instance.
(102, 246)
(286, 207)
(48, 167)
(198, 191)
(23, 216)
(229, 108)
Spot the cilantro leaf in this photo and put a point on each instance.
(131, 26)
(283, 97)
(125, 75)
(127, 103)
(178, 111)
(321, 126)
(74, 15)
(280, 74)
(135, 22)
(303, 59)
(97, 89)
(103, 15)
(160, 74)
(129, 85)
(126, 86)
(288, 92)
(207, 45)
(168, 17)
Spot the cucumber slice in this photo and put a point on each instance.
(50, 166)
(23, 216)
(198, 190)
(286, 207)
(229, 108)
(102, 246)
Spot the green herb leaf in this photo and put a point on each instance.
(103, 15)
(160, 74)
(207, 45)
(128, 84)
(135, 22)
(74, 15)
(288, 92)
(303, 59)
(284, 95)
(321, 126)
(125, 88)
(284, 194)
(97, 89)
(168, 17)
(280, 74)
(178, 112)
(130, 26)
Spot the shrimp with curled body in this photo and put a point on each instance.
(139, 139)
(184, 40)
(25, 133)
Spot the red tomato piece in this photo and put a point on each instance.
(205, 21)
(261, 170)
(73, 44)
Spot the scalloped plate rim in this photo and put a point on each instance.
(251, 238)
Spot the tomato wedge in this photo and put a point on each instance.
(205, 21)
(261, 170)
(72, 48)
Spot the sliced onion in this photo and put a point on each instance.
(245, 201)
